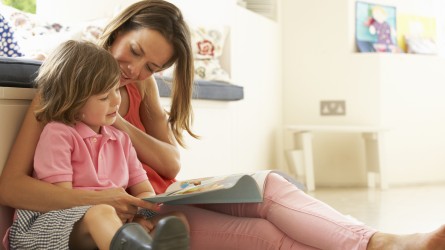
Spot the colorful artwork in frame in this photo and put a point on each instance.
(417, 34)
(376, 28)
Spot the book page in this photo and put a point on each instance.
(260, 178)
(205, 184)
(225, 180)
(220, 189)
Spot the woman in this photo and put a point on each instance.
(79, 149)
(148, 37)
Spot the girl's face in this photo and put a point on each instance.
(101, 109)
(140, 53)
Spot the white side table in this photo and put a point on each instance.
(374, 150)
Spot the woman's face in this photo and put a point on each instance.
(140, 53)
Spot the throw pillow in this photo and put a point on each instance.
(210, 70)
(208, 45)
(8, 44)
(35, 36)
(208, 42)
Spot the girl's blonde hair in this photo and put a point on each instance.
(167, 19)
(71, 74)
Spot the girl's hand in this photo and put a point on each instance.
(147, 224)
(125, 204)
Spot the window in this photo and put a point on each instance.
(24, 5)
(267, 8)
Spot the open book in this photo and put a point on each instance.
(235, 188)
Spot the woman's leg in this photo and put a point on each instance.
(214, 230)
(312, 222)
(302, 217)
(434, 240)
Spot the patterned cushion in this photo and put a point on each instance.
(208, 42)
(37, 36)
(210, 70)
(8, 44)
(208, 45)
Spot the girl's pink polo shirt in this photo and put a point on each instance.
(89, 160)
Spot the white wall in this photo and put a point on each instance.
(238, 136)
(396, 91)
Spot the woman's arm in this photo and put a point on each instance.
(19, 190)
(156, 148)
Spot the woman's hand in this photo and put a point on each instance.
(120, 123)
(156, 146)
(125, 204)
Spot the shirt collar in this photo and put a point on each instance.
(86, 132)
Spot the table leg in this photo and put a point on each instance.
(306, 144)
(375, 159)
(382, 159)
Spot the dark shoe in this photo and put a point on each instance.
(170, 234)
(131, 236)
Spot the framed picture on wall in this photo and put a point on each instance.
(376, 28)
(417, 34)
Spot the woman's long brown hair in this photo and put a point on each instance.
(167, 19)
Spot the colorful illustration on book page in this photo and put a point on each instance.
(376, 28)
(205, 184)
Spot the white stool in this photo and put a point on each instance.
(374, 151)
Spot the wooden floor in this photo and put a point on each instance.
(396, 210)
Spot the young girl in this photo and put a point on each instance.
(79, 149)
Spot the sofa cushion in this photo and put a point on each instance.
(208, 90)
(20, 72)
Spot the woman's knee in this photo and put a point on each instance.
(180, 216)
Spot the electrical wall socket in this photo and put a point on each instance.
(332, 107)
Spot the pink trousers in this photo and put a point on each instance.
(288, 218)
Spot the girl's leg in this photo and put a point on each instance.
(301, 217)
(101, 228)
(214, 230)
(99, 224)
